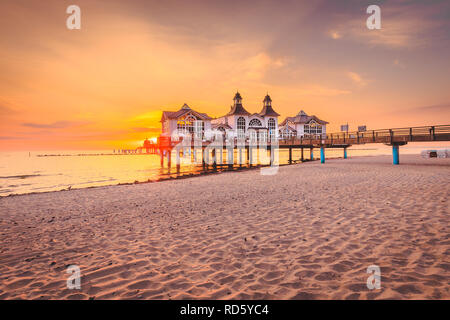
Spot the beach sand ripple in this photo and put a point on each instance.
(309, 232)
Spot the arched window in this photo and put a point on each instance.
(272, 126)
(255, 123)
(240, 127)
(241, 124)
(189, 123)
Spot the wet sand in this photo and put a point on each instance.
(308, 232)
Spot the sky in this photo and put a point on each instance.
(104, 86)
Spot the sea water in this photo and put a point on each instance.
(24, 172)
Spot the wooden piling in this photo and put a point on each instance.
(169, 158)
(178, 160)
(290, 155)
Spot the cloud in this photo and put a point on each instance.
(398, 63)
(440, 112)
(147, 129)
(255, 67)
(335, 35)
(433, 108)
(319, 90)
(356, 78)
(53, 125)
(11, 138)
(403, 25)
(4, 110)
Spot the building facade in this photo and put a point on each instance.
(302, 126)
(185, 121)
(238, 122)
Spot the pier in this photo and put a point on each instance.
(394, 137)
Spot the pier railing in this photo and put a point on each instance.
(387, 136)
(344, 139)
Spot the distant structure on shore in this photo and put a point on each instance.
(239, 123)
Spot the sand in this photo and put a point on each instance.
(309, 232)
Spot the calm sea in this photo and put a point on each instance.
(23, 172)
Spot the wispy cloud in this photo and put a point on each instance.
(53, 125)
(433, 108)
(404, 25)
(11, 138)
(255, 67)
(4, 110)
(399, 64)
(147, 129)
(335, 35)
(319, 90)
(357, 79)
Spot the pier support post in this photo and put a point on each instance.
(395, 154)
(290, 155)
(161, 153)
(272, 155)
(230, 156)
(203, 158)
(311, 153)
(250, 156)
(178, 159)
(345, 153)
(322, 155)
(169, 158)
(302, 155)
(240, 156)
(214, 157)
(247, 151)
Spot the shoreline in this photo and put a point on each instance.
(186, 175)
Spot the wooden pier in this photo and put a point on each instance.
(394, 137)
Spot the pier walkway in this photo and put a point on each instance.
(394, 137)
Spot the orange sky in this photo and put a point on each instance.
(104, 86)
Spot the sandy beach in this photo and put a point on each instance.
(309, 232)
